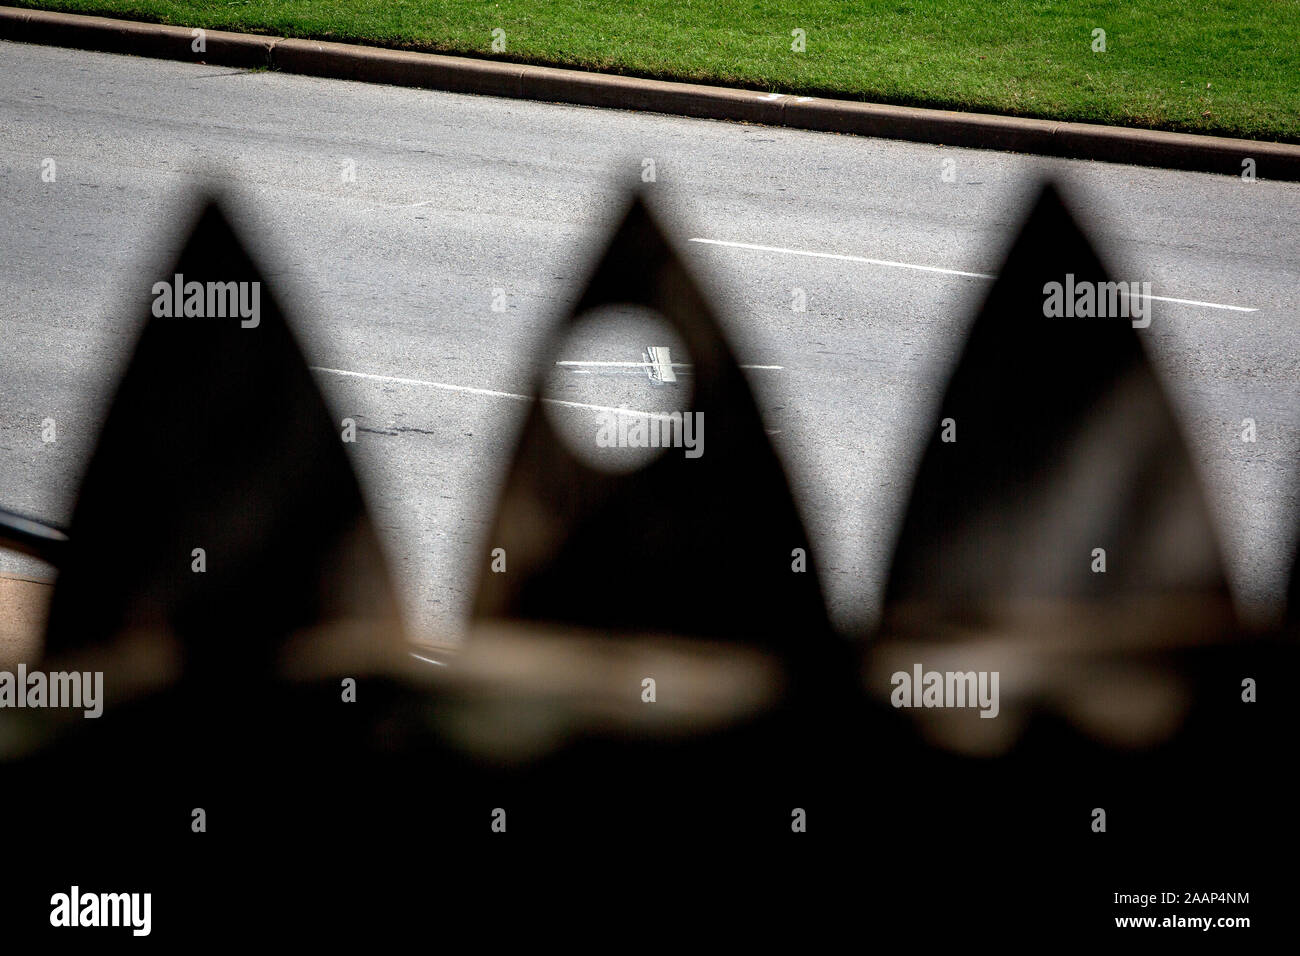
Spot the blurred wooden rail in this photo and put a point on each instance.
(23, 603)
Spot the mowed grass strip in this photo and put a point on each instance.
(1229, 67)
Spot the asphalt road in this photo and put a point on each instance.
(461, 201)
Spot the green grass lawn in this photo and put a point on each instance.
(1230, 67)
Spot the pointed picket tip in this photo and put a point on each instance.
(219, 510)
(1064, 443)
(1067, 459)
(695, 547)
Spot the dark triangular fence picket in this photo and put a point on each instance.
(219, 509)
(1058, 441)
(709, 547)
(1056, 527)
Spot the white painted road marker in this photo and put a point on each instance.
(489, 393)
(643, 364)
(937, 269)
(661, 363)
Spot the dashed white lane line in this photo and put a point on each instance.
(935, 269)
(489, 393)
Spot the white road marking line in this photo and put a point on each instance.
(844, 258)
(1208, 305)
(948, 272)
(622, 371)
(776, 368)
(428, 659)
(490, 393)
(618, 364)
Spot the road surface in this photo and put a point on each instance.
(459, 202)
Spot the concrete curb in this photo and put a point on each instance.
(1116, 144)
